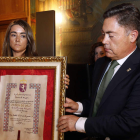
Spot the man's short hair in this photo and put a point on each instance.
(127, 15)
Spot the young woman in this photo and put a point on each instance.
(19, 42)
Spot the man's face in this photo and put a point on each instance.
(116, 39)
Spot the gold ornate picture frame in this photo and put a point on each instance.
(31, 97)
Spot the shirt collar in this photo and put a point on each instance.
(121, 61)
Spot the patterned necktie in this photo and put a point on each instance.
(103, 85)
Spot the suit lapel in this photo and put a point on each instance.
(125, 70)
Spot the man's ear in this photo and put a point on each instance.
(133, 36)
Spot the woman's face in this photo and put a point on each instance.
(18, 40)
(99, 52)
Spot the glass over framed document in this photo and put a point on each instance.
(32, 94)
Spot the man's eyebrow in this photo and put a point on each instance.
(108, 32)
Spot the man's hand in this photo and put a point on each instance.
(67, 123)
(67, 81)
(71, 106)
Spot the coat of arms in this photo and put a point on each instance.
(23, 85)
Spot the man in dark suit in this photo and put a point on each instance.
(114, 107)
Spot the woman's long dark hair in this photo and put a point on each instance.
(30, 49)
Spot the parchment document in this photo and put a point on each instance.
(22, 106)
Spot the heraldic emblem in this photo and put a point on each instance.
(23, 85)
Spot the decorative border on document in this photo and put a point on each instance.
(36, 106)
(7, 105)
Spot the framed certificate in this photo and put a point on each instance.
(32, 94)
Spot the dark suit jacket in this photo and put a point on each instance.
(118, 115)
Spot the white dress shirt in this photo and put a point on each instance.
(80, 124)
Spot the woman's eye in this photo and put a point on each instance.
(23, 36)
(102, 33)
(102, 53)
(13, 35)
